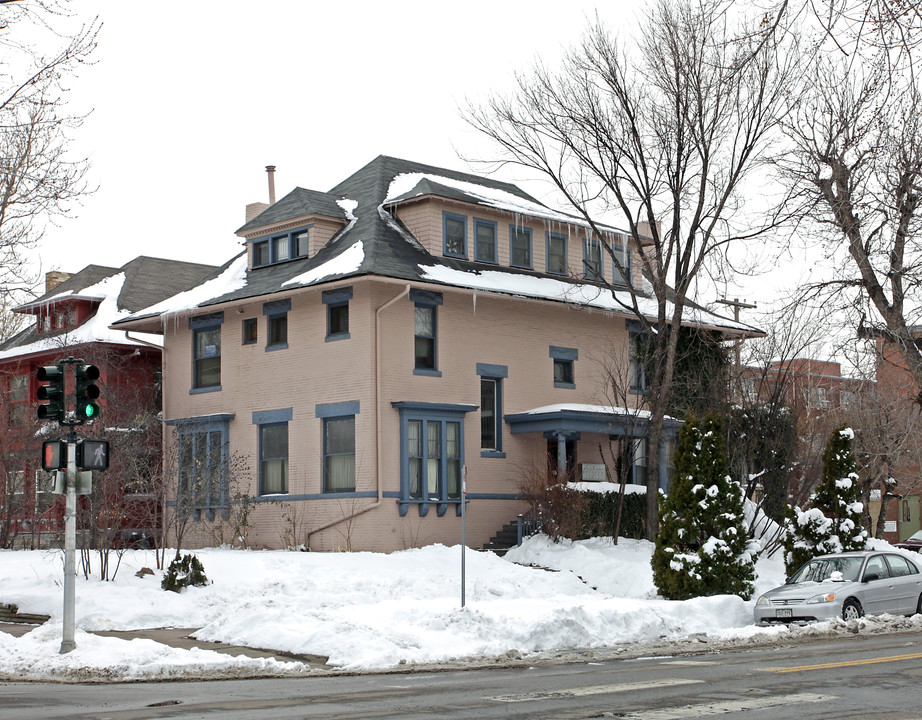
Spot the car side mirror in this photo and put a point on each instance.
(870, 576)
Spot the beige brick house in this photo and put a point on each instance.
(375, 342)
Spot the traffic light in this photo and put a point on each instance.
(87, 391)
(52, 393)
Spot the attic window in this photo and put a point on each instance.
(280, 248)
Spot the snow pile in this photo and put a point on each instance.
(365, 611)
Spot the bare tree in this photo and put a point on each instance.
(39, 178)
(887, 426)
(664, 133)
(853, 170)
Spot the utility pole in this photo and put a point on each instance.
(736, 304)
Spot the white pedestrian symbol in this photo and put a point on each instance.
(99, 456)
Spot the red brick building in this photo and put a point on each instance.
(71, 319)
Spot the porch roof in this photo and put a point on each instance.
(568, 418)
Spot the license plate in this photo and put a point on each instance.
(784, 613)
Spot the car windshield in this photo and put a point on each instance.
(820, 569)
(916, 536)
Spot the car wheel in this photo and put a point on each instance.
(851, 610)
(919, 606)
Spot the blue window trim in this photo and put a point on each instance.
(563, 353)
(323, 466)
(199, 324)
(427, 299)
(270, 417)
(292, 247)
(446, 216)
(273, 310)
(429, 412)
(217, 423)
(490, 370)
(568, 355)
(337, 296)
(497, 373)
(487, 223)
(531, 255)
(337, 409)
(336, 299)
(547, 252)
(259, 431)
(247, 322)
(277, 307)
(600, 275)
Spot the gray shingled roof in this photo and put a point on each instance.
(297, 203)
(390, 250)
(148, 280)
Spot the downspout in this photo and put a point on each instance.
(378, 418)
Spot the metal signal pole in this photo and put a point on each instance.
(70, 544)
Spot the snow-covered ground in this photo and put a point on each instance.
(369, 611)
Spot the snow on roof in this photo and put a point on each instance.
(233, 278)
(585, 408)
(346, 262)
(492, 197)
(96, 328)
(566, 291)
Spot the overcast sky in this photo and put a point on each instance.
(191, 100)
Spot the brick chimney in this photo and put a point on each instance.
(55, 278)
(253, 209)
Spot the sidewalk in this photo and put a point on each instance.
(180, 638)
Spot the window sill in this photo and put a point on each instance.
(441, 506)
(424, 371)
(337, 336)
(199, 391)
(277, 346)
(522, 267)
(566, 386)
(488, 262)
(338, 493)
(492, 454)
(456, 256)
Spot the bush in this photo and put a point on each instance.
(183, 572)
(565, 512)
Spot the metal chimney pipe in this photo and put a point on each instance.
(270, 169)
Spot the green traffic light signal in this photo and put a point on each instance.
(86, 391)
(52, 393)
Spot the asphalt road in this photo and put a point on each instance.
(845, 678)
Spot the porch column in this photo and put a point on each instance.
(561, 454)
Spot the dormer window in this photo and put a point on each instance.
(281, 248)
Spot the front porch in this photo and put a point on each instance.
(564, 426)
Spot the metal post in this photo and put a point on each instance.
(70, 546)
(463, 531)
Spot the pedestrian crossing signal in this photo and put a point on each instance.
(92, 454)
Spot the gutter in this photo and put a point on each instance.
(378, 418)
